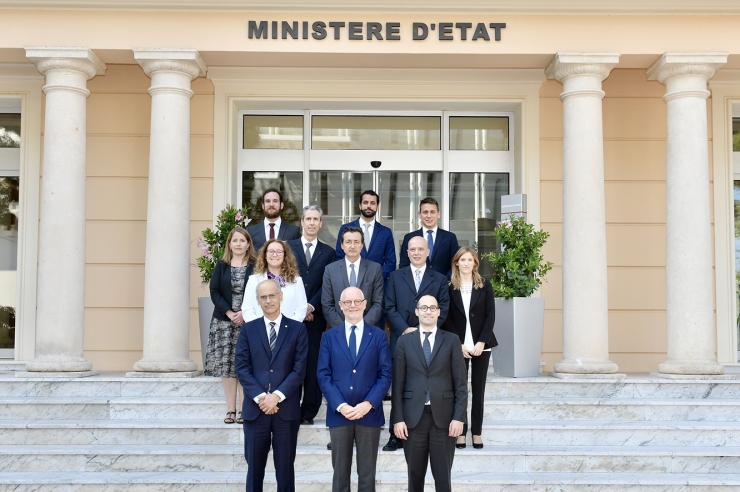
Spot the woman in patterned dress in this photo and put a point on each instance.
(227, 292)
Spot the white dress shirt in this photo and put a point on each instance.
(277, 332)
(277, 228)
(367, 232)
(466, 292)
(357, 268)
(313, 252)
(426, 236)
(294, 305)
(432, 337)
(421, 273)
(359, 327)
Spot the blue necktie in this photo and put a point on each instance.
(430, 242)
(353, 345)
(427, 353)
(352, 276)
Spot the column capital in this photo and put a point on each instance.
(568, 63)
(75, 58)
(182, 60)
(673, 64)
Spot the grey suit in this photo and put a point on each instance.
(369, 281)
(445, 379)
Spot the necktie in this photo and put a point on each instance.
(272, 231)
(417, 279)
(427, 353)
(352, 276)
(367, 235)
(308, 253)
(430, 242)
(353, 345)
(273, 336)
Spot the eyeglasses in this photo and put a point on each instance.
(275, 252)
(264, 298)
(424, 309)
(357, 302)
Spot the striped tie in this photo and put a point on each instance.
(273, 336)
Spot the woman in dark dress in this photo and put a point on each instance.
(471, 316)
(227, 291)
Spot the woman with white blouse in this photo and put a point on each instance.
(275, 261)
(472, 314)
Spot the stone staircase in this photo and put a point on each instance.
(111, 433)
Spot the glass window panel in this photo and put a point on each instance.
(475, 207)
(290, 185)
(736, 134)
(273, 132)
(338, 194)
(376, 132)
(10, 130)
(8, 259)
(479, 133)
(400, 194)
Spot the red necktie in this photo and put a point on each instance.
(272, 231)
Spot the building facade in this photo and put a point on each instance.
(127, 126)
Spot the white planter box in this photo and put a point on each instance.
(205, 313)
(519, 326)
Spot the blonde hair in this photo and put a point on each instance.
(455, 280)
(289, 268)
(250, 255)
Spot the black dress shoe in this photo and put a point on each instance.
(460, 445)
(307, 422)
(393, 444)
(328, 446)
(387, 397)
(477, 445)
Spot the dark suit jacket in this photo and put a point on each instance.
(261, 371)
(482, 315)
(369, 281)
(221, 293)
(445, 248)
(313, 276)
(401, 297)
(382, 248)
(445, 379)
(286, 233)
(367, 379)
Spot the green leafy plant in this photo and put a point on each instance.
(519, 268)
(213, 242)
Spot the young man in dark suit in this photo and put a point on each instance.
(354, 372)
(430, 398)
(273, 226)
(442, 244)
(312, 256)
(270, 362)
(378, 239)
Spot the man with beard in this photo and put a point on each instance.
(379, 246)
(272, 227)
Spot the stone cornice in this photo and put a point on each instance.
(675, 64)
(76, 58)
(539, 7)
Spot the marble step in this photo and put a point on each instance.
(634, 386)
(497, 459)
(386, 482)
(510, 409)
(495, 433)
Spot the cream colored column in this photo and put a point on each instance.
(585, 306)
(167, 275)
(60, 324)
(689, 276)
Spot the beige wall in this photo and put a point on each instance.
(118, 121)
(634, 173)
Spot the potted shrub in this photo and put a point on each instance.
(212, 244)
(518, 271)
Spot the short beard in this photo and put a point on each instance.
(272, 215)
(365, 214)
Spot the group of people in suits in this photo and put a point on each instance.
(440, 314)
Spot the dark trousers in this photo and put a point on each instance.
(311, 402)
(478, 375)
(427, 443)
(342, 439)
(259, 434)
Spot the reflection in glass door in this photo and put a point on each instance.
(10, 141)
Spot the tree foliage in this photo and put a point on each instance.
(519, 268)
(213, 242)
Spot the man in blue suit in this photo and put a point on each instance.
(442, 244)
(312, 256)
(379, 246)
(354, 373)
(270, 362)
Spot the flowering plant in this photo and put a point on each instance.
(519, 268)
(213, 242)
